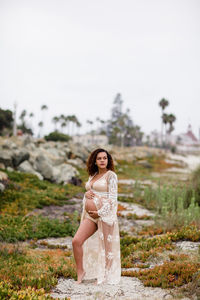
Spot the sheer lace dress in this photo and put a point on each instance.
(101, 252)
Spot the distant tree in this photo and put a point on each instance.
(22, 116)
(55, 120)
(6, 120)
(31, 115)
(171, 120)
(78, 125)
(44, 107)
(24, 126)
(120, 128)
(63, 125)
(163, 103)
(40, 124)
(165, 120)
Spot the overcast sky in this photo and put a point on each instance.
(76, 55)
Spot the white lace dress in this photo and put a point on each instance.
(101, 251)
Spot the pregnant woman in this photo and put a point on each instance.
(96, 244)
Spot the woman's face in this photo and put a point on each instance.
(102, 160)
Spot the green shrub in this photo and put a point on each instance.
(19, 228)
(57, 136)
(194, 188)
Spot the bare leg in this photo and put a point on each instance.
(85, 230)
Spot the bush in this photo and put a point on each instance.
(57, 136)
(194, 188)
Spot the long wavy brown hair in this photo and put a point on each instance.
(92, 168)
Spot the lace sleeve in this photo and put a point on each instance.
(108, 205)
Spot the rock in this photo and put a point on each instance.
(144, 163)
(10, 169)
(27, 140)
(26, 167)
(64, 173)
(3, 176)
(76, 162)
(31, 147)
(8, 144)
(188, 245)
(6, 158)
(2, 187)
(53, 157)
(3, 181)
(2, 166)
(19, 156)
(43, 166)
(75, 181)
(78, 151)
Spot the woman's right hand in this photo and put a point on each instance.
(89, 194)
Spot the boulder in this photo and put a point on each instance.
(8, 144)
(27, 140)
(26, 167)
(19, 156)
(6, 157)
(3, 176)
(2, 166)
(76, 162)
(3, 181)
(75, 181)
(78, 151)
(145, 164)
(44, 167)
(64, 173)
(2, 187)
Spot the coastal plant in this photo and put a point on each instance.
(170, 205)
(34, 268)
(20, 228)
(167, 275)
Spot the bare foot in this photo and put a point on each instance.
(80, 278)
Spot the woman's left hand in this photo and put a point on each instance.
(93, 214)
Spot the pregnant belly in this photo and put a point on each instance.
(89, 205)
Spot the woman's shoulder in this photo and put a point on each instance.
(111, 174)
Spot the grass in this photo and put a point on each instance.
(135, 170)
(26, 192)
(20, 228)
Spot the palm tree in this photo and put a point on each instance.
(171, 120)
(78, 125)
(63, 125)
(165, 120)
(40, 124)
(163, 103)
(31, 115)
(55, 120)
(43, 108)
(92, 132)
(74, 122)
(61, 119)
(22, 116)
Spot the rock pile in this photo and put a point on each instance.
(53, 161)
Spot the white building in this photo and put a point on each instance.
(89, 140)
(188, 142)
